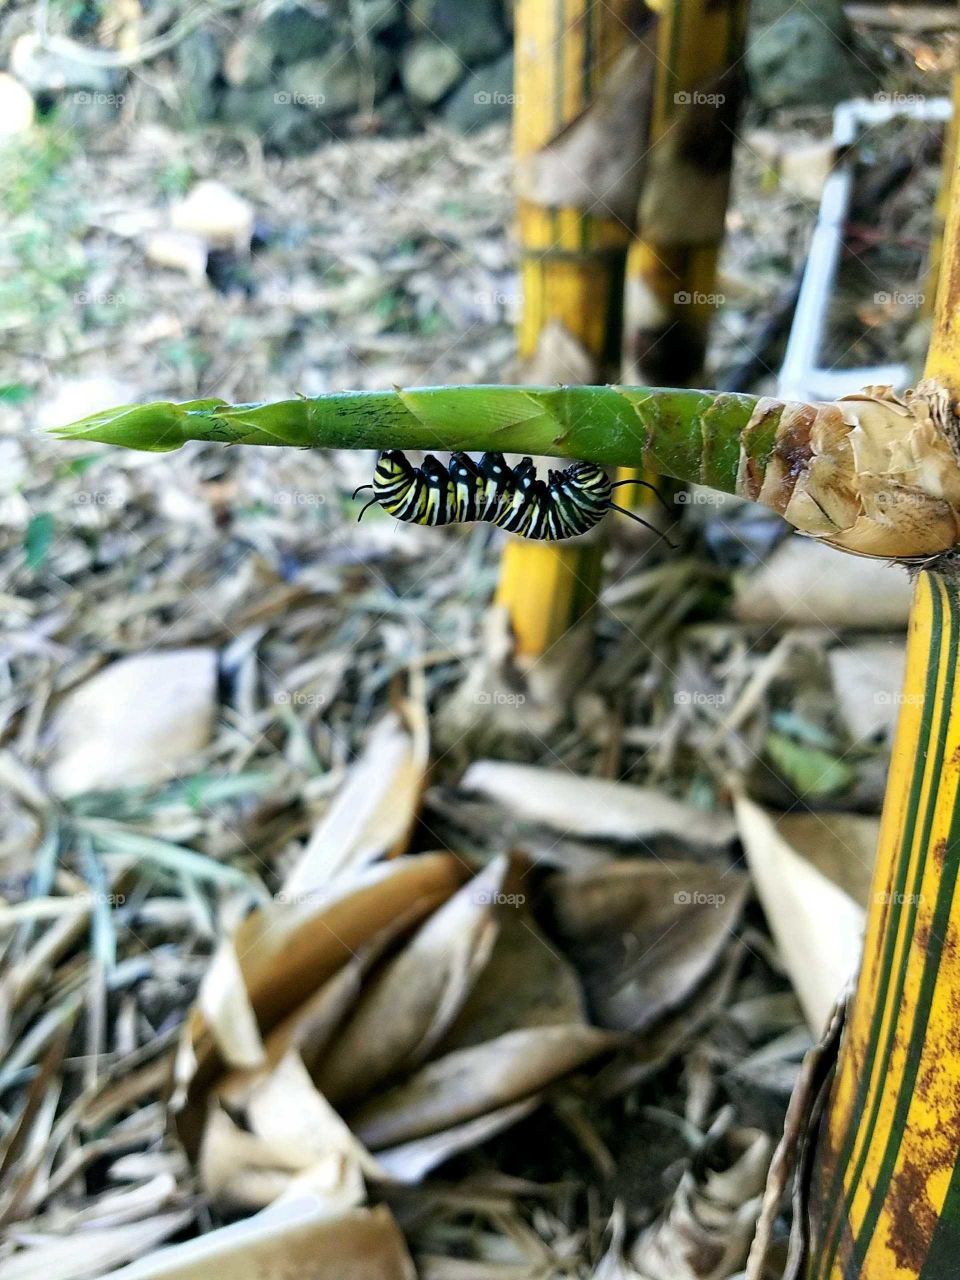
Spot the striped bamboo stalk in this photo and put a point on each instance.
(572, 268)
(672, 265)
(886, 1189)
(671, 268)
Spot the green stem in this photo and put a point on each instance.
(690, 435)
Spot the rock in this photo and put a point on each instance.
(178, 251)
(16, 108)
(43, 71)
(376, 15)
(429, 70)
(338, 82)
(199, 62)
(802, 56)
(135, 723)
(485, 97)
(474, 31)
(293, 33)
(217, 215)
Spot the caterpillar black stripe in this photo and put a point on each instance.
(566, 504)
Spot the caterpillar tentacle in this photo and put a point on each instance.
(565, 505)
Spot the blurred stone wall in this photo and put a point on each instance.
(295, 74)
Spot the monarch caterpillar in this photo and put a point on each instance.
(564, 505)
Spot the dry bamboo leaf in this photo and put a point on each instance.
(470, 1082)
(374, 810)
(841, 845)
(312, 1024)
(817, 926)
(89, 1254)
(287, 950)
(804, 584)
(867, 680)
(295, 1141)
(288, 1240)
(705, 1232)
(593, 807)
(409, 1005)
(548, 994)
(240, 1171)
(102, 744)
(412, 1161)
(671, 1035)
(644, 935)
(225, 1007)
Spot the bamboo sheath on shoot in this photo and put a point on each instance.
(873, 473)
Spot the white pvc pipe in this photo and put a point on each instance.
(801, 378)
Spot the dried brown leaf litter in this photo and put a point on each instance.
(351, 973)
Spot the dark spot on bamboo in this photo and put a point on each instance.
(914, 1218)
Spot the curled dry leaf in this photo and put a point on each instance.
(644, 934)
(375, 808)
(295, 1142)
(405, 1010)
(286, 951)
(705, 1232)
(817, 926)
(593, 807)
(406, 969)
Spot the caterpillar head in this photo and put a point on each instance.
(392, 465)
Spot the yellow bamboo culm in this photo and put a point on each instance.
(942, 203)
(572, 269)
(672, 265)
(885, 1189)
